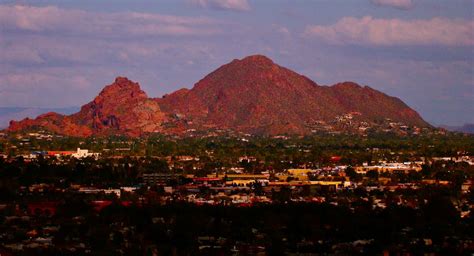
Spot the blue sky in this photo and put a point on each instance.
(61, 53)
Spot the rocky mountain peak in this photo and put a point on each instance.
(122, 88)
(253, 95)
(258, 59)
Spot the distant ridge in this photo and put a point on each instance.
(252, 95)
(466, 128)
(18, 113)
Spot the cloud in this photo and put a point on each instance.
(72, 22)
(388, 32)
(398, 4)
(45, 87)
(283, 30)
(233, 5)
(16, 54)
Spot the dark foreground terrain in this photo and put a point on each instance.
(247, 195)
(277, 229)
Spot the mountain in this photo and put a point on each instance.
(258, 96)
(252, 95)
(466, 128)
(120, 108)
(16, 113)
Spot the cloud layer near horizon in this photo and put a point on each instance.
(372, 31)
(398, 4)
(233, 5)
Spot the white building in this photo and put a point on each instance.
(82, 153)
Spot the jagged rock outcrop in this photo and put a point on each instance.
(120, 108)
(252, 95)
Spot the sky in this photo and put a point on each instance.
(62, 53)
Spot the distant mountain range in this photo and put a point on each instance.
(18, 113)
(251, 95)
(466, 128)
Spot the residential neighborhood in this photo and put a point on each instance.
(54, 189)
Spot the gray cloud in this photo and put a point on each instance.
(398, 4)
(373, 31)
(233, 5)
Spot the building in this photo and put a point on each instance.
(79, 153)
(389, 167)
(160, 178)
(240, 176)
(241, 183)
(82, 153)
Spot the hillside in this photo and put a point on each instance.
(256, 95)
(252, 95)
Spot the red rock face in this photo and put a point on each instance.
(53, 122)
(121, 108)
(373, 104)
(256, 95)
(251, 95)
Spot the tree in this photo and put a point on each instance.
(352, 174)
(373, 174)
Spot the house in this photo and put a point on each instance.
(299, 172)
(240, 176)
(60, 153)
(466, 186)
(79, 153)
(82, 153)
